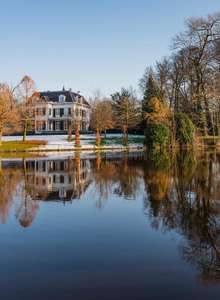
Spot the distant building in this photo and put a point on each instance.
(52, 110)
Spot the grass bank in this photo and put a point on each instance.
(20, 146)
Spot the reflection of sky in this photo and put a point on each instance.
(77, 249)
(89, 44)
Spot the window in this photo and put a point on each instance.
(62, 193)
(50, 111)
(62, 166)
(66, 125)
(83, 125)
(41, 111)
(40, 126)
(65, 111)
(61, 179)
(57, 112)
(69, 111)
(57, 165)
(57, 125)
(62, 98)
(31, 113)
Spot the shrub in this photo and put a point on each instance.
(185, 129)
(157, 135)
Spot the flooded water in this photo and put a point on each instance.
(111, 226)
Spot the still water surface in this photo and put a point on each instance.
(122, 226)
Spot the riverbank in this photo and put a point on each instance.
(46, 143)
(51, 143)
(20, 146)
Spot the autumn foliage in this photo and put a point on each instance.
(9, 114)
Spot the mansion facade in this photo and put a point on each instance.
(54, 110)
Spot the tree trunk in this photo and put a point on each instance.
(77, 173)
(213, 126)
(0, 137)
(105, 133)
(69, 132)
(98, 139)
(77, 136)
(25, 131)
(125, 136)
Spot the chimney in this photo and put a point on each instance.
(70, 90)
(78, 92)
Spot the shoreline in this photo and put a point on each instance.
(75, 149)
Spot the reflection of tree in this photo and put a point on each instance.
(27, 208)
(190, 209)
(10, 179)
(203, 240)
(156, 177)
(81, 181)
(122, 177)
(129, 174)
(182, 194)
(103, 176)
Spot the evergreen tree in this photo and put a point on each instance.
(149, 93)
(126, 111)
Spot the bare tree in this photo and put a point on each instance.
(97, 114)
(185, 79)
(108, 116)
(26, 89)
(9, 114)
(196, 42)
(74, 123)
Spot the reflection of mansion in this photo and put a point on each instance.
(52, 111)
(55, 180)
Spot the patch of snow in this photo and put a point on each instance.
(59, 142)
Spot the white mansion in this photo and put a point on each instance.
(51, 110)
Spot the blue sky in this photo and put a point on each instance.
(89, 44)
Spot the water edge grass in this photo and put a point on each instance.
(20, 146)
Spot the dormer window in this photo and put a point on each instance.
(62, 98)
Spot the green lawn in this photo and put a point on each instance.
(20, 146)
(118, 141)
